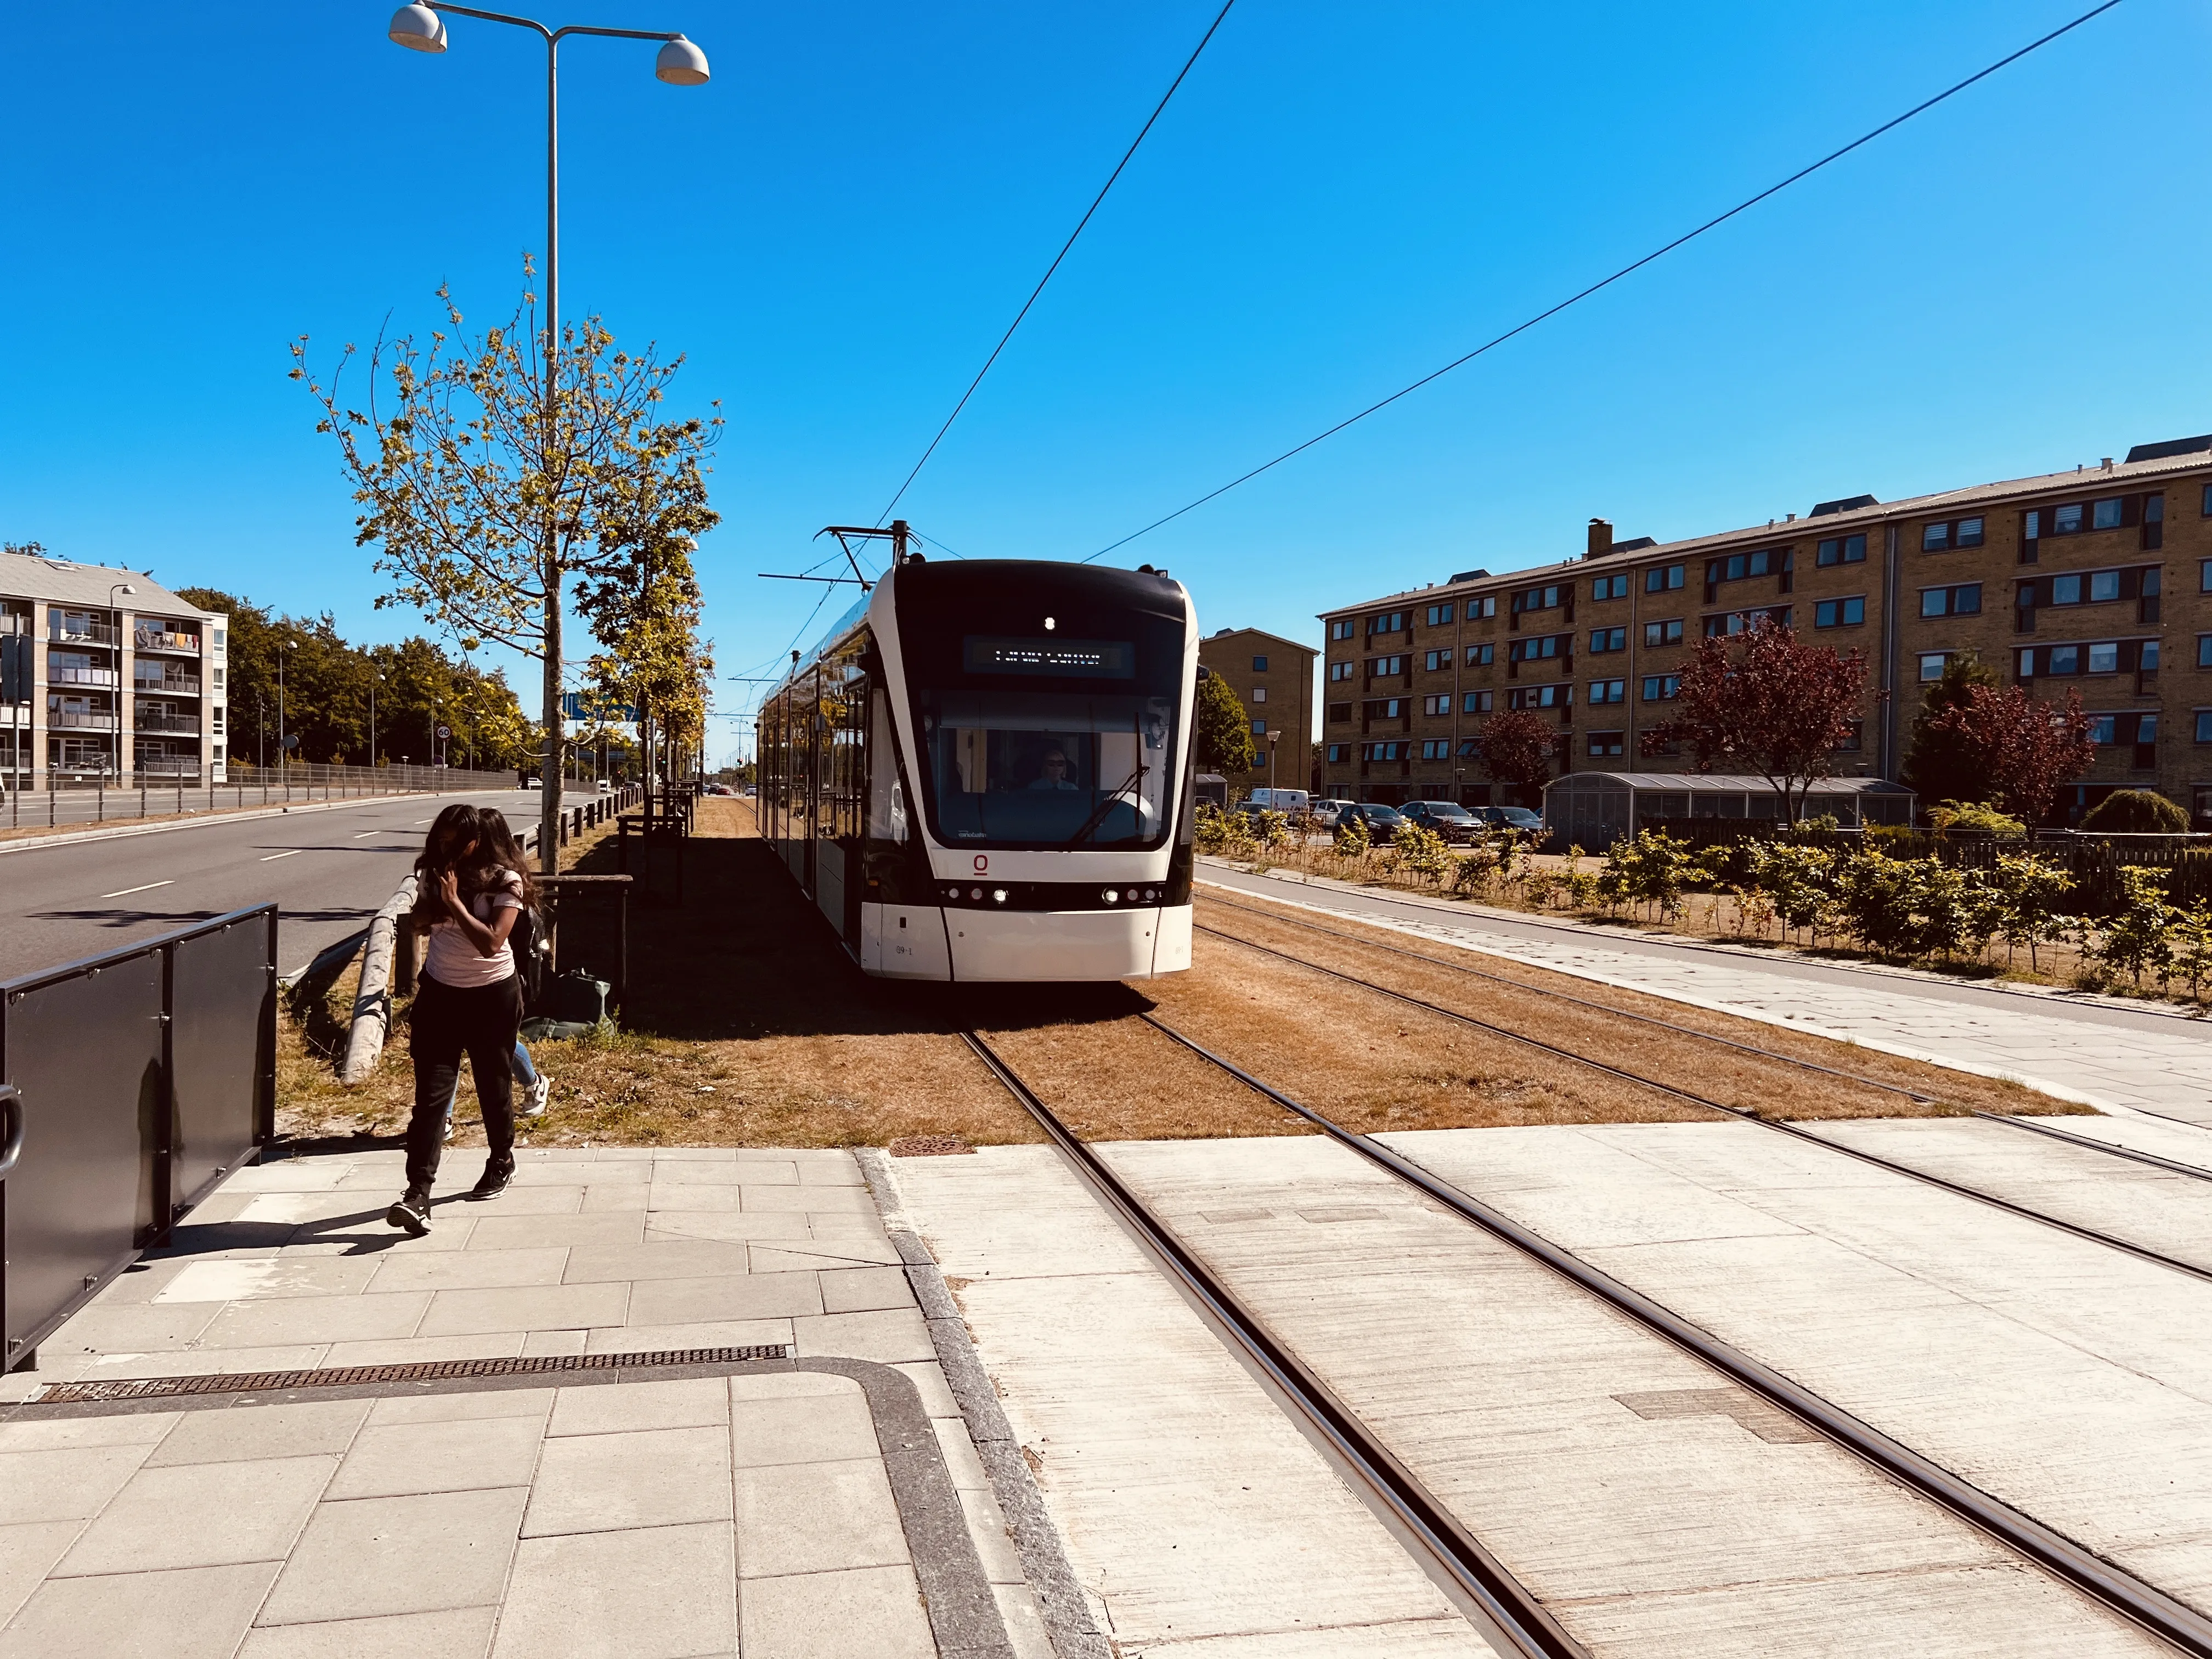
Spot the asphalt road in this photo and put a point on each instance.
(329, 869)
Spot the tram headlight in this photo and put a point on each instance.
(1111, 895)
(998, 895)
(974, 892)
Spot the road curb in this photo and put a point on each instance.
(120, 832)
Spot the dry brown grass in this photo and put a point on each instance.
(747, 1024)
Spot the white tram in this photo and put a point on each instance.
(984, 772)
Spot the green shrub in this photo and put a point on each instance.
(1351, 840)
(1799, 880)
(1650, 870)
(2139, 936)
(2192, 947)
(1974, 815)
(2029, 891)
(2136, 811)
(1270, 829)
(1420, 851)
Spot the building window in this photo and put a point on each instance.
(1539, 647)
(1767, 561)
(1384, 668)
(1391, 622)
(1470, 748)
(1338, 753)
(2204, 650)
(1610, 588)
(1661, 579)
(1477, 610)
(1341, 628)
(2102, 729)
(1437, 615)
(1259, 665)
(1477, 703)
(1259, 694)
(1840, 613)
(1736, 622)
(2105, 658)
(1842, 549)
(220, 635)
(1608, 691)
(1340, 711)
(1537, 598)
(1931, 665)
(1964, 600)
(2107, 514)
(1608, 742)
(1854, 738)
(1608, 639)
(1340, 670)
(1381, 751)
(2204, 715)
(1437, 705)
(218, 679)
(2066, 521)
(1482, 656)
(215, 719)
(1435, 749)
(1954, 532)
(1662, 688)
(1663, 633)
(1540, 696)
(1259, 728)
(1437, 660)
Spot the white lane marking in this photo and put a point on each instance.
(419, 822)
(125, 892)
(273, 857)
(366, 834)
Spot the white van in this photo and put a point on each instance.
(1293, 801)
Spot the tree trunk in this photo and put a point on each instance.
(549, 807)
(645, 750)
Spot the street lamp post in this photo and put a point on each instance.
(115, 590)
(420, 28)
(283, 744)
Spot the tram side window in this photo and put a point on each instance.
(886, 797)
(844, 710)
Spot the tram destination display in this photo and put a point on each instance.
(1094, 659)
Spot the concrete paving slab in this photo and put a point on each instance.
(377, 1556)
(55, 1434)
(828, 1615)
(616, 1482)
(526, 1308)
(312, 1428)
(811, 1428)
(583, 1596)
(472, 1270)
(315, 1319)
(272, 1276)
(664, 1339)
(695, 1403)
(737, 1296)
(420, 1350)
(816, 1517)
(199, 1612)
(457, 1633)
(69, 1483)
(29, 1553)
(396, 1460)
(865, 1289)
(201, 1515)
(603, 1196)
(889, 1335)
(663, 1225)
(462, 1407)
(514, 1232)
(657, 1259)
(813, 1200)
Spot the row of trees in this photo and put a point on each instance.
(330, 692)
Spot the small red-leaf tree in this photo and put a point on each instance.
(1770, 706)
(2025, 749)
(1517, 746)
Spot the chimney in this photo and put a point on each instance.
(1601, 539)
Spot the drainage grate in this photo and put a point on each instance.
(440, 1370)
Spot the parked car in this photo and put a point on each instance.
(1511, 817)
(1382, 820)
(1448, 818)
(1328, 814)
(606, 785)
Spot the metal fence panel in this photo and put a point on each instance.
(221, 1058)
(85, 1050)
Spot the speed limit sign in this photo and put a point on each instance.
(445, 731)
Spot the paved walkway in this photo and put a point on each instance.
(2107, 1056)
(797, 1506)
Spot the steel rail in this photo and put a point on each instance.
(2146, 1606)
(1743, 1114)
(1581, 1002)
(1516, 1613)
(2129, 1152)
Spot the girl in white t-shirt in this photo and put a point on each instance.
(468, 1000)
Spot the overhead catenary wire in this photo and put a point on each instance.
(1656, 253)
(1157, 110)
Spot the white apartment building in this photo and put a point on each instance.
(123, 682)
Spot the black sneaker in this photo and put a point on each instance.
(411, 1213)
(498, 1176)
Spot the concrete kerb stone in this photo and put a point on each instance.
(1066, 1612)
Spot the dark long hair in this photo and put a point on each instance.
(476, 844)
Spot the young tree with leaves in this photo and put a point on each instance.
(1765, 703)
(1221, 727)
(491, 481)
(1516, 745)
(2020, 749)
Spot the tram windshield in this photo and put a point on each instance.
(1045, 769)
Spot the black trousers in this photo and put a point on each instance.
(480, 1022)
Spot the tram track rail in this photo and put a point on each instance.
(1515, 1611)
(1741, 1114)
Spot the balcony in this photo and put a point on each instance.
(169, 766)
(182, 726)
(80, 720)
(57, 676)
(171, 685)
(65, 630)
(157, 639)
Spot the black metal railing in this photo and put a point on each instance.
(137, 1079)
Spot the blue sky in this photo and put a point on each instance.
(1340, 197)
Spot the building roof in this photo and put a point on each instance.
(57, 582)
(1724, 783)
(1255, 634)
(2148, 463)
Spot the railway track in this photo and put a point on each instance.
(1518, 1615)
(1744, 1115)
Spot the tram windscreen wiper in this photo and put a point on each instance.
(1098, 815)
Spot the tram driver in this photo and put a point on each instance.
(1052, 770)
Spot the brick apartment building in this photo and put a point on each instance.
(2098, 578)
(124, 678)
(1273, 677)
